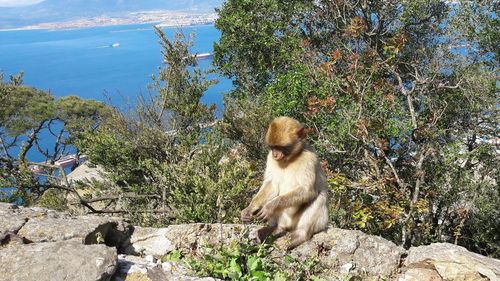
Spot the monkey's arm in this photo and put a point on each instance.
(296, 197)
(266, 193)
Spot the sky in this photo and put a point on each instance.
(15, 3)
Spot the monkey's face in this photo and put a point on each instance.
(285, 138)
(280, 152)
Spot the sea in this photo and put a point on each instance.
(112, 64)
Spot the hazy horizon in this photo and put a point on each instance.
(21, 13)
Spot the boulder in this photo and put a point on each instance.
(131, 268)
(41, 244)
(149, 241)
(62, 260)
(348, 252)
(352, 253)
(449, 262)
(87, 229)
(13, 218)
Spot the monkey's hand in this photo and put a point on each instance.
(268, 210)
(246, 215)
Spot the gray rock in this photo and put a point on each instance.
(63, 250)
(451, 262)
(53, 261)
(13, 218)
(191, 237)
(149, 241)
(366, 255)
(132, 268)
(87, 229)
(353, 252)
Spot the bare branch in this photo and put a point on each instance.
(120, 196)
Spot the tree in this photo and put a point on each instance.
(171, 153)
(27, 115)
(400, 100)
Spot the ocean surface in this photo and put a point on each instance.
(84, 62)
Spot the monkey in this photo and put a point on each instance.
(293, 196)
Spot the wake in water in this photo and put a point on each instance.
(114, 45)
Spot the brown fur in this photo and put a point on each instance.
(282, 131)
(293, 196)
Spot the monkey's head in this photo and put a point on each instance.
(285, 137)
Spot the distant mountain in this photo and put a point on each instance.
(59, 10)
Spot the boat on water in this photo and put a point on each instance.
(203, 55)
(114, 45)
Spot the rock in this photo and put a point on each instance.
(9, 224)
(149, 241)
(450, 262)
(187, 237)
(87, 229)
(41, 244)
(134, 268)
(353, 252)
(13, 218)
(420, 272)
(191, 237)
(62, 260)
(339, 250)
(86, 172)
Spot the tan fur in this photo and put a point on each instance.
(293, 196)
(282, 131)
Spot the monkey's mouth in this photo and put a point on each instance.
(278, 154)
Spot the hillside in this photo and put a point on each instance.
(64, 10)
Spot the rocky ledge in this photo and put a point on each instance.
(41, 244)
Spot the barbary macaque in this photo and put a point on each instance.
(293, 196)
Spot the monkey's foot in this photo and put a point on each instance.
(282, 243)
(297, 238)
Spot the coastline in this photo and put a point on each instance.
(159, 18)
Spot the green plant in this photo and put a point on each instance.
(242, 260)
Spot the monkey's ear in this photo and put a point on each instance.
(302, 133)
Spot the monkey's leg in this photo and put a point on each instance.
(265, 232)
(270, 230)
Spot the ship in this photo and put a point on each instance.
(203, 56)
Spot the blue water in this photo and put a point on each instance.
(81, 62)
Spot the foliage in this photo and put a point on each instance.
(27, 115)
(259, 39)
(53, 199)
(402, 101)
(171, 150)
(241, 260)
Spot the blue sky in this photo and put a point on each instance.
(15, 3)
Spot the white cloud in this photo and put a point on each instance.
(16, 3)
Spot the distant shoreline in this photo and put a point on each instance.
(157, 18)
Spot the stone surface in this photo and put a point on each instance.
(149, 241)
(62, 260)
(341, 251)
(87, 229)
(134, 268)
(13, 218)
(41, 244)
(451, 262)
(190, 237)
(351, 251)
(86, 172)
